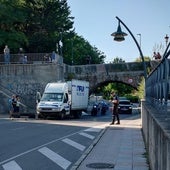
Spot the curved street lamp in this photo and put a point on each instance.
(119, 36)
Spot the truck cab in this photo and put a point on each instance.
(54, 101)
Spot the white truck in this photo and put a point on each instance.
(63, 99)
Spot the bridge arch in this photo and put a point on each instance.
(97, 75)
(105, 83)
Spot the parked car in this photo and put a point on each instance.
(125, 106)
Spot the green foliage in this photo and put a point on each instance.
(132, 97)
(141, 89)
(46, 22)
(123, 90)
(79, 51)
(39, 25)
(12, 19)
(120, 88)
(145, 59)
(118, 60)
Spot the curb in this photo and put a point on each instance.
(89, 149)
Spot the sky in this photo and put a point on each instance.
(95, 21)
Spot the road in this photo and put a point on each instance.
(31, 144)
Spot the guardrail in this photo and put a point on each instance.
(157, 85)
(156, 114)
(31, 58)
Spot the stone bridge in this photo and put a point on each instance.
(102, 74)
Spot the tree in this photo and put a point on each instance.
(39, 25)
(47, 21)
(12, 19)
(140, 59)
(141, 89)
(118, 60)
(77, 51)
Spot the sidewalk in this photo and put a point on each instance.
(119, 147)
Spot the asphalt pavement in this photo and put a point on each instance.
(118, 147)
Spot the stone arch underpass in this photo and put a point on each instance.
(100, 74)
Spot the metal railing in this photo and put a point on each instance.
(157, 85)
(30, 58)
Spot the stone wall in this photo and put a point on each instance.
(25, 81)
(156, 131)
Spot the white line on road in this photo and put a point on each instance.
(62, 162)
(12, 165)
(74, 144)
(87, 135)
(36, 148)
(93, 129)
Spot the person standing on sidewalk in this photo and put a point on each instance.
(38, 98)
(7, 55)
(115, 114)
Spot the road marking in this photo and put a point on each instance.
(93, 129)
(62, 162)
(36, 148)
(74, 144)
(12, 165)
(40, 146)
(87, 135)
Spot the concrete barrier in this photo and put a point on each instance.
(156, 131)
(25, 80)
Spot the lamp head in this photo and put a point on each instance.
(119, 34)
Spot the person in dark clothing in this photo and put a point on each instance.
(115, 114)
(17, 105)
(14, 102)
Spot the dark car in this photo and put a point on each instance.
(125, 106)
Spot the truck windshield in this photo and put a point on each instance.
(52, 97)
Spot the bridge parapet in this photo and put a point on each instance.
(97, 74)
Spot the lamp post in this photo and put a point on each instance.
(139, 39)
(119, 36)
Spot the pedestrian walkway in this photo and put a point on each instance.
(119, 147)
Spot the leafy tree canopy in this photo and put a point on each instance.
(118, 60)
(39, 26)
